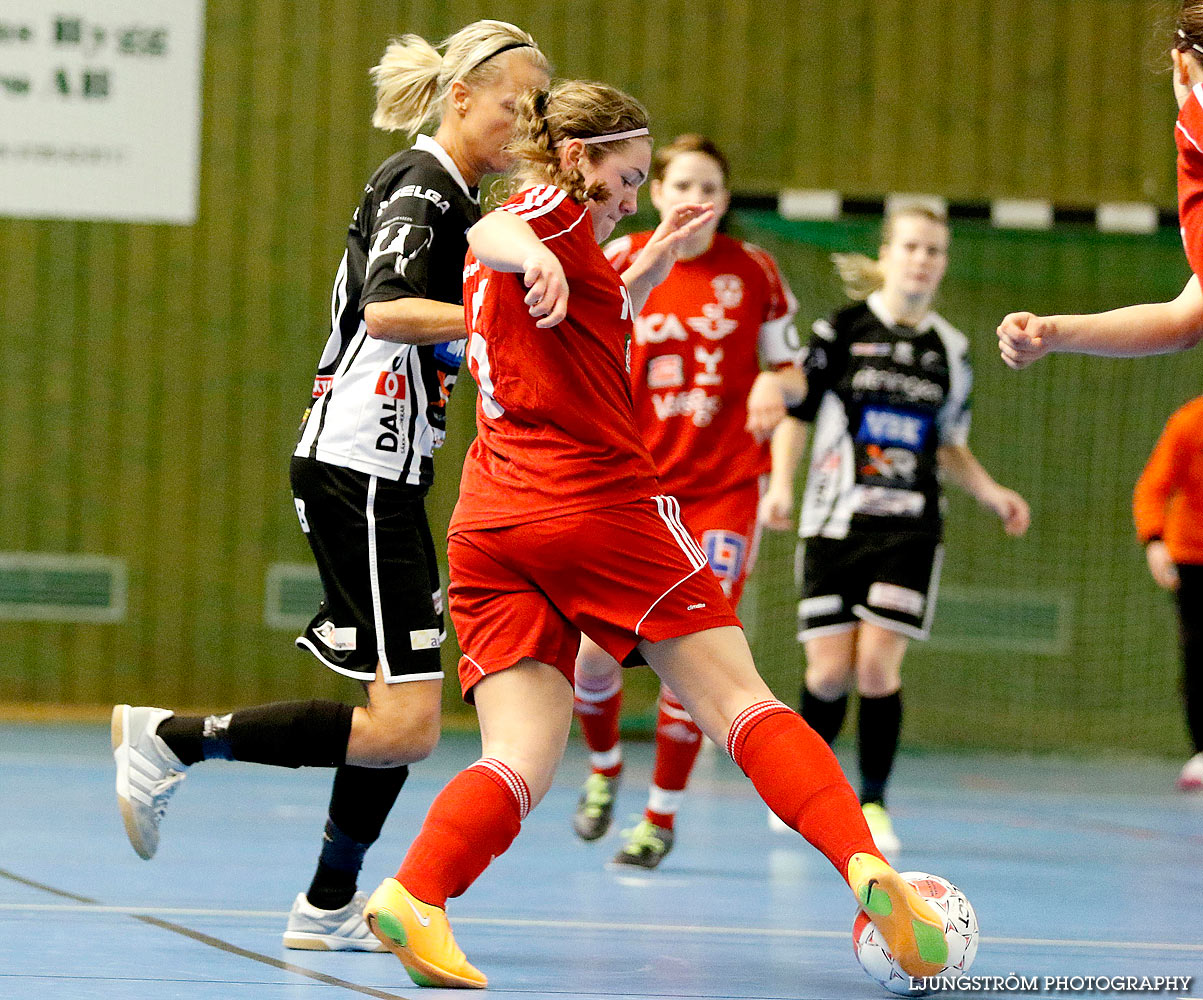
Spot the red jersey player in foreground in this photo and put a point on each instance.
(699, 343)
(561, 529)
(1153, 327)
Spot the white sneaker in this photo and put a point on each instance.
(311, 929)
(1191, 777)
(882, 829)
(147, 774)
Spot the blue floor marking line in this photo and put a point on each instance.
(208, 939)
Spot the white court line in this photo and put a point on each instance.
(599, 925)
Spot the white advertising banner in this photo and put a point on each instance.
(100, 109)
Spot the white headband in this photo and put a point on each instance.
(613, 136)
(1197, 48)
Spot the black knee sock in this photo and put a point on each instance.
(285, 733)
(359, 804)
(1192, 696)
(1190, 609)
(878, 726)
(824, 717)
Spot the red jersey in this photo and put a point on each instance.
(699, 344)
(1188, 134)
(1168, 499)
(556, 431)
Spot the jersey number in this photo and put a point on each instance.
(478, 358)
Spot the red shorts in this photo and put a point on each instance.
(620, 574)
(727, 527)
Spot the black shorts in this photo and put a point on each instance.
(383, 599)
(886, 578)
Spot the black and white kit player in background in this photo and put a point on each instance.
(360, 473)
(886, 384)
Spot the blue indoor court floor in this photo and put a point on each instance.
(1076, 868)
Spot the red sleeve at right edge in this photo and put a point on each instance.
(1188, 135)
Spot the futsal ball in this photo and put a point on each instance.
(960, 931)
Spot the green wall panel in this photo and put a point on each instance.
(153, 376)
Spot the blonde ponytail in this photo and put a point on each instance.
(861, 275)
(413, 82)
(406, 80)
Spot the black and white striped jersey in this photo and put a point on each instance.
(380, 407)
(883, 398)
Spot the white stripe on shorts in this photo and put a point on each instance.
(374, 573)
(670, 513)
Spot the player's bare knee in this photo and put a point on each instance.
(389, 740)
(595, 663)
(877, 683)
(828, 681)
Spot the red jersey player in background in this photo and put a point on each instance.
(699, 343)
(1154, 327)
(561, 529)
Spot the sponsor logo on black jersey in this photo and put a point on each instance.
(914, 388)
(415, 191)
(865, 350)
(451, 353)
(390, 384)
(404, 242)
(885, 426)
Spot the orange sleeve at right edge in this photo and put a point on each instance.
(1151, 497)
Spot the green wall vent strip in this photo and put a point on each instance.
(291, 596)
(1019, 621)
(54, 587)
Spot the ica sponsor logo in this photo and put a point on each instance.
(656, 328)
(321, 385)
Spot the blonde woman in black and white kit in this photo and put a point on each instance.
(885, 382)
(360, 473)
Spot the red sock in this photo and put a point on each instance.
(597, 703)
(678, 740)
(473, 819)
(799, 778)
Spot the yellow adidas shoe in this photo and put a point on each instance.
(914, 933)
(419, 935)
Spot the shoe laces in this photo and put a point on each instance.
(163, 793)
(598, 793)
(643, 837)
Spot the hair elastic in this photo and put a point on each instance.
(613, 136)
(1197, 48)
